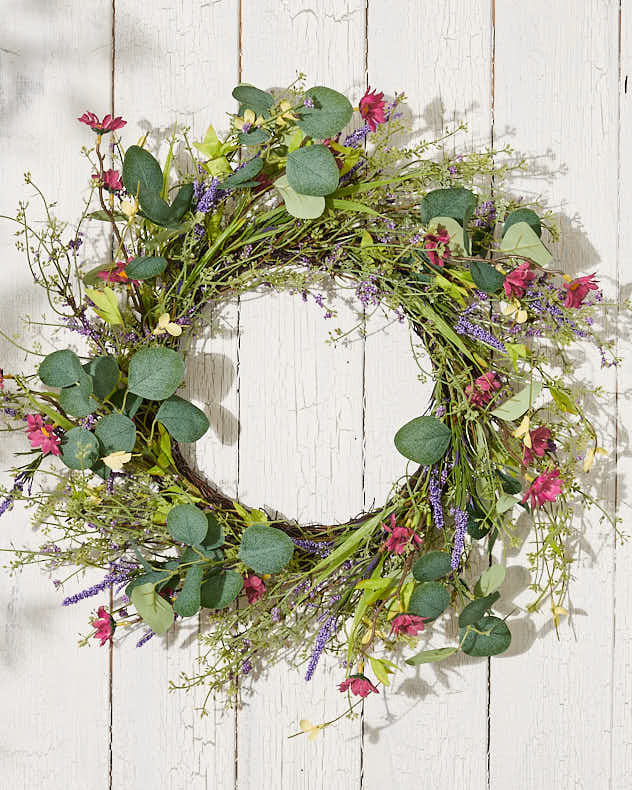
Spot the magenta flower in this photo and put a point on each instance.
(372, 108)
(108, 124)
(577, 290)
(104, 625)
(408, 624)
(116, 275)
(360, 685)
(41, 435)
(254, 587)
(517, 281)
(436, 246)
(541, 443)
(483, 389)
(400, 537)
(545, 488)
(111, 180)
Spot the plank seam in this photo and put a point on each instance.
(111, 646)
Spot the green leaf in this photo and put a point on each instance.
(429, 600)
(255, 137)
(146, 268)
(253, 99)
(455, 231)
(117, 433)
(221, 589)
(181, 203)
(187, 524)
(331, 113)
(245, 173)
(76, 400)
(521, 240)
(184, 421)
(155, 373)
(188, 600)
(495, 638)
(215, 533)
(516, 351)
(104, 372)
(300, 206)
(486, 277)
(505, 502)
(106, 305)
(154, 610)
(141, 172)
(513, 408)
(312, 171)
(476, 609)
(351, 206)
(433, 565)
(491, 579)
(103, 216)
(79, 449)
(423, 440)
(455, 202)
(265, 549)
(381, 669)
(152, 577)
(523, 215)
(60, 369)
(563, 400)
(155, 208)
(428, 656)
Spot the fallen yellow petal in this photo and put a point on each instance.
(523, 428)
(116, 460)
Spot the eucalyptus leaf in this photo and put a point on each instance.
(432, 565)
(117, 433)
(300, 206)
(254, 137)
(521, 240)
(429, 600)
(181, 204)
(188, 600)
(494, 638)
(523, 215)
(104, 372)
(60, 369)
(265, 549)
(312, 171)
(513, 408)
(330, 114)
(155, 578)
(155, 208)
(506, 502)
(455, 202)
(428, 656)
(76, 400)
(155, 373)
(423, 440)
(79, 449)
(245, 173)
(491, 579)
(155, 611)
(187, 524)
(215, 533)
(455, 232)
(253, 99)
(146, 268)
(184, 421)
(141, 172)
(476, 609)
(221, 589)
(486, 277)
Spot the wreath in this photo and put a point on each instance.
(290, 201)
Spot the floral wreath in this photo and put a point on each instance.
(288, 200)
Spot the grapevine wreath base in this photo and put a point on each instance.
(289, 201)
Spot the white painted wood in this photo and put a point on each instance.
(430, 726)
(54, 728)
(556, 92)
(169, 67)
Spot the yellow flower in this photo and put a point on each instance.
(558, 611)
(129, 208)
(165, 324)
(589, 460)
(513, 309)
(243, 122)
(523, 430)
(116, 460)
(285, 115)
(311, 730)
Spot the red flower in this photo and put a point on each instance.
(111, 180)
(254, 587)
(577, 290)
(104, 625)
(1, 379)
(408, 624)
(108, 124)
(482, 390)
(116, 275)
(541, 443)
(360, 685)
(41, 435)
(517, 281)
(400, 537)
(372, 108)
(545, 488)
(436, 246)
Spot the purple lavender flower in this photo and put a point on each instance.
(145, 638)
(313, 546)
(118, 573)
(465, 327)
(368, 291)
(246, 667)
(308, 102)
(434, 494)
(460, 528)
(327, 630)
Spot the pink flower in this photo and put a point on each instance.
(545, 488)
(436, 246)
(104, 625)
(254, 587)
(41, 435)
(116, 275)
(400, 537)
(372, 108)
(517, 281)
(577, 290)
(360, 685)
(482, 390)
(108, 124)
(111, 180)
(408, 624)
(541, 443)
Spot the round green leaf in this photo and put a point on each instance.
(155, 208)
(423, 440)
(255, 137)
(476, 609)
(76, 400)
(486, 277)
(105, 375)
(245, 173)
(513, 408)
(521, 240)
(312, 171)
(220, 590)
(523, 215)
(79, 449)
(253, 98)
(155, 373)
(215, 533)
(265, 549)
(154, 577)
(184, 421)
(300, 206)
(187, 602)
(117, 433)
(330, 114)
(491, 579)
(455, 202)
(495, 639)
(153, 608)
(429, 600)
(181, 203)
(141, 172)
(60, 369)
(187, 524)
(146, 268)
(431, 566)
